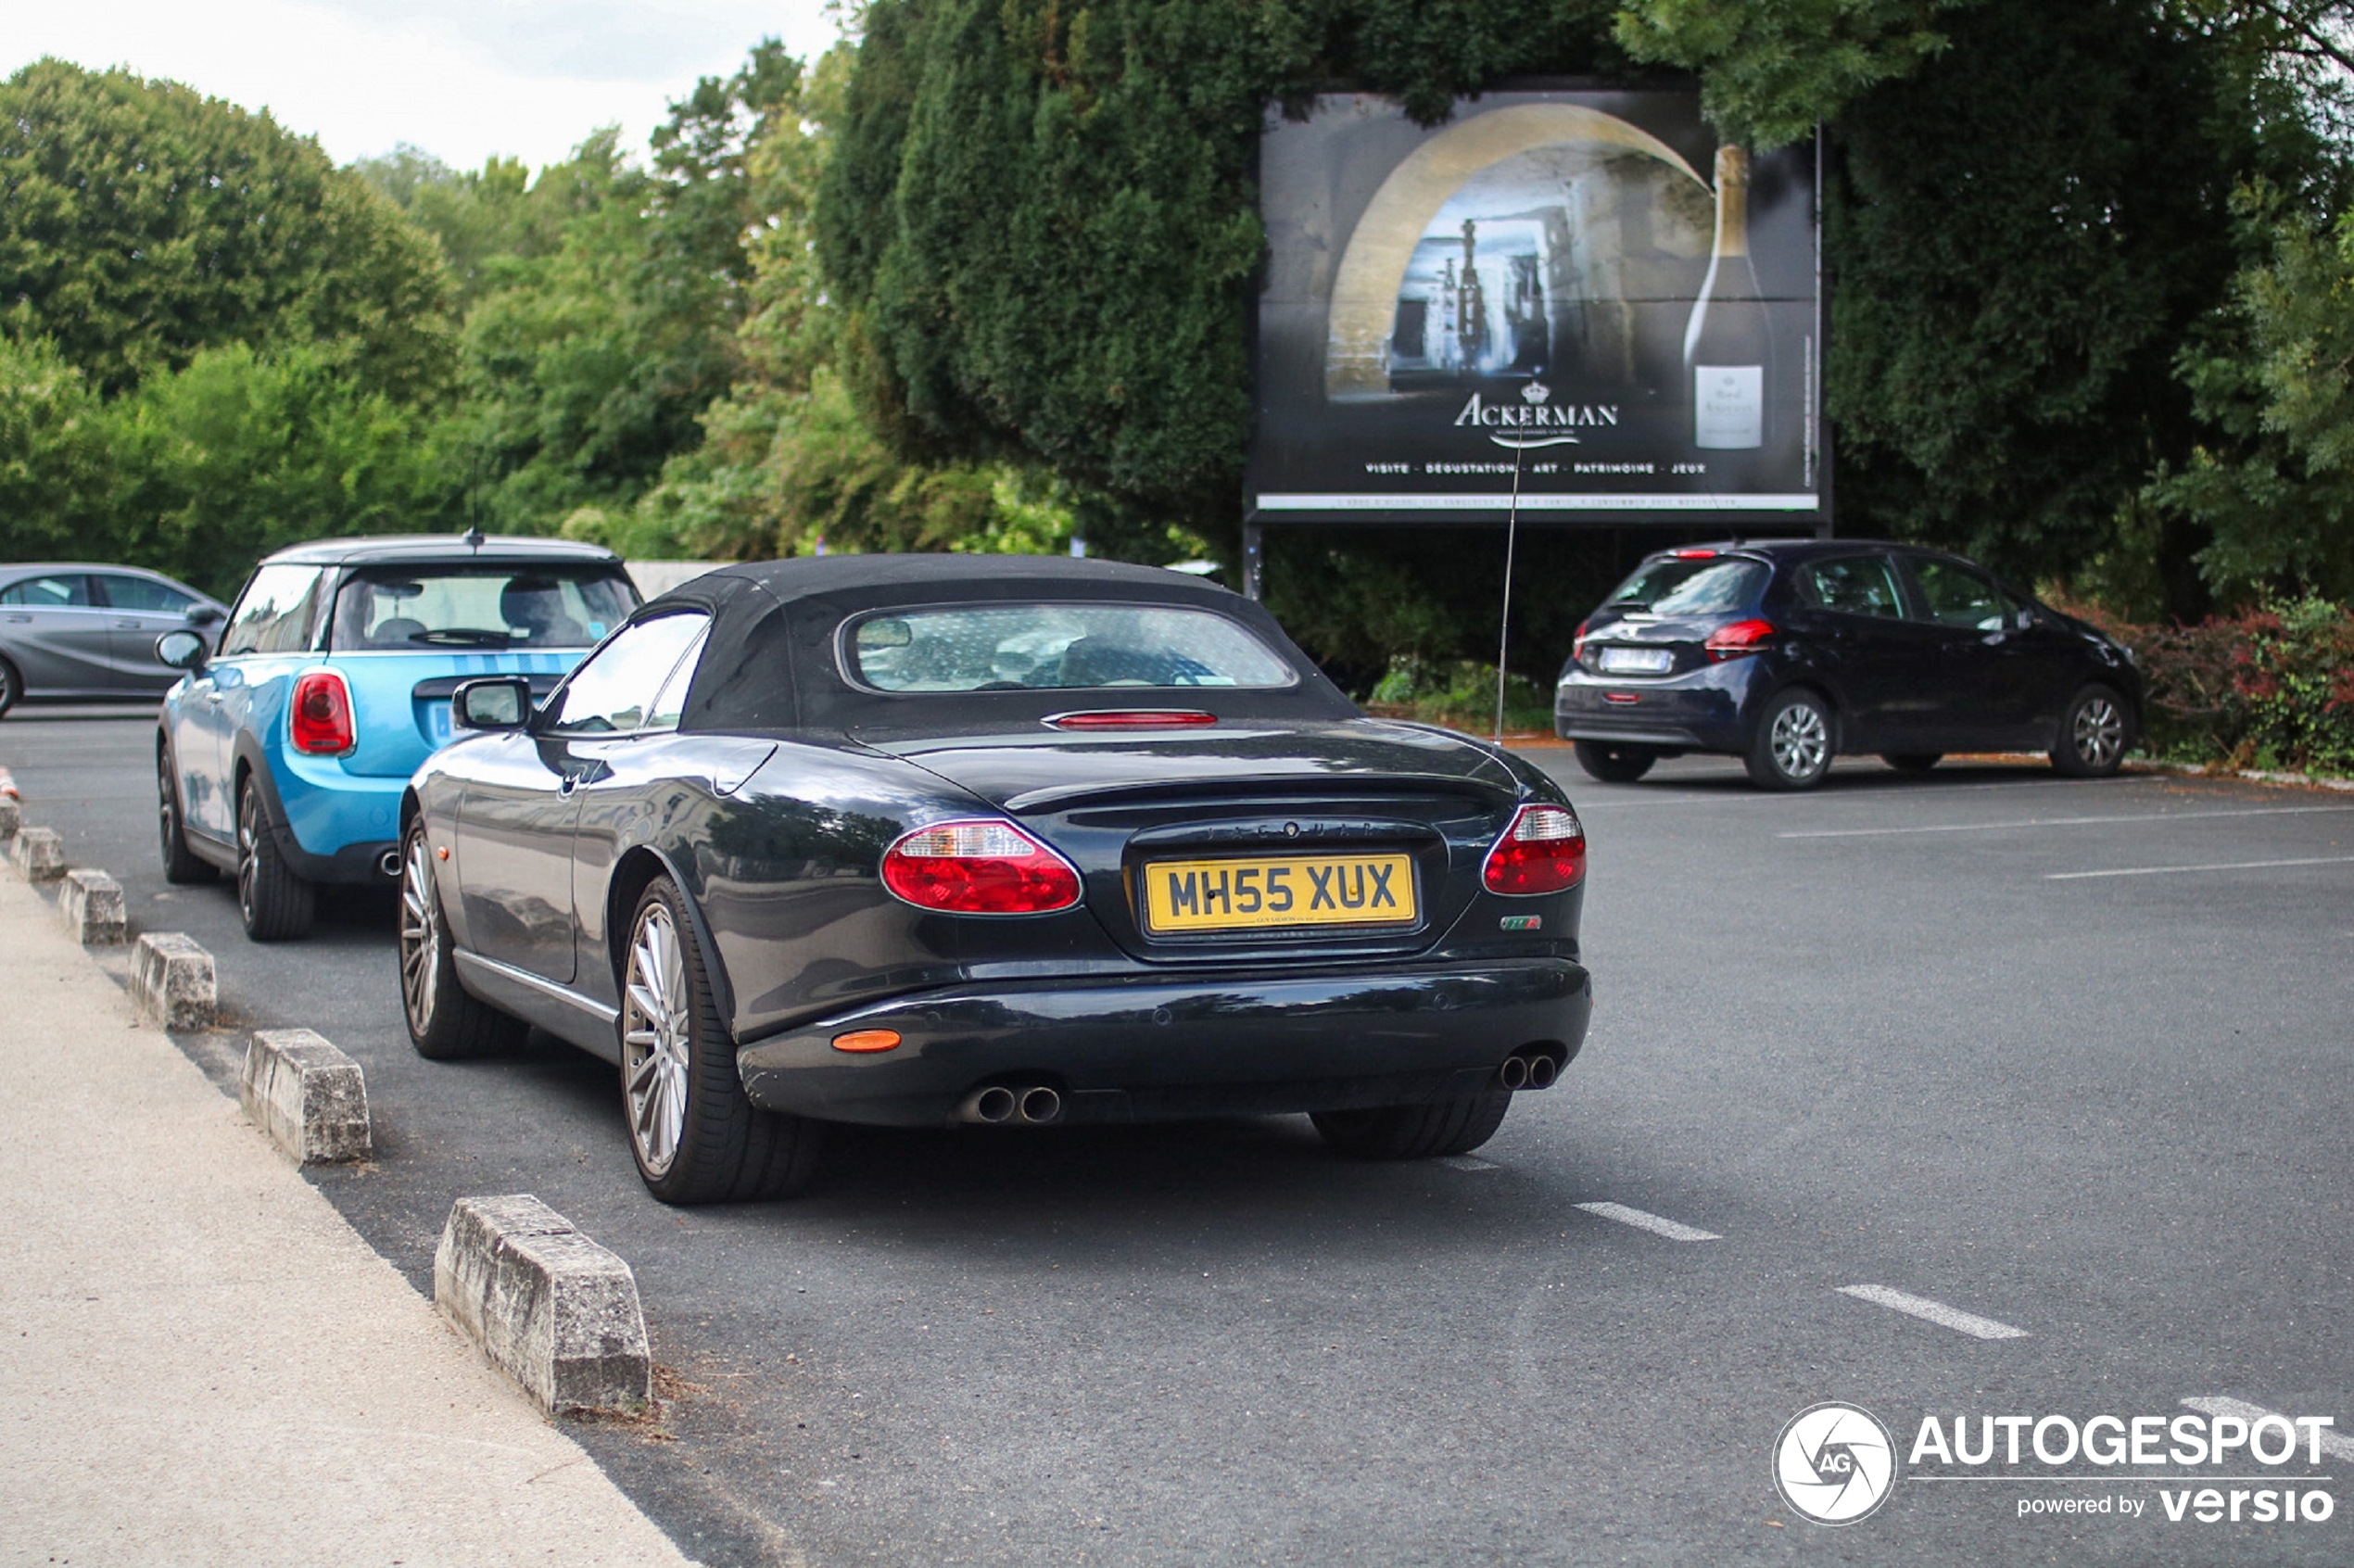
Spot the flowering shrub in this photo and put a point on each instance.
(2272, 687)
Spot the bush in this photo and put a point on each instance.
(2272, 688)
(1460, 693)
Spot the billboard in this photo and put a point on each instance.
(1578, 297)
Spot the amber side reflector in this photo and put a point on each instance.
(867, 1039)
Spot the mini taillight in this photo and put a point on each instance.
(320, 723)
(1742, 637)
(1542, 851)
(1133, 718)
(984, 867)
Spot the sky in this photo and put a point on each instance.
(462, 79)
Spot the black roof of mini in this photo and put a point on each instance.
(447, 549)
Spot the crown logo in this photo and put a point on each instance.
(1535, 392)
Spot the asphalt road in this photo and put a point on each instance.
(1975, 1037)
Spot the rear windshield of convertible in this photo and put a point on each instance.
(1058, 647)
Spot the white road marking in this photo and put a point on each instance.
(2333, 1444)
(2058, 822)
(2218, 865)
(1933, 1311)
(1650, 1223)
(1469, 1162)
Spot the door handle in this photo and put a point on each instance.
(126, 625)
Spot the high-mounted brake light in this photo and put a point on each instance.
(988, 867)
(1742, 637)
(320, 723)
(1693, 554)
(1132, 718)
(1542, 851)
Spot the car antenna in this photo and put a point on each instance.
(472, 538)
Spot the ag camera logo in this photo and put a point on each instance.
(1835, 1463)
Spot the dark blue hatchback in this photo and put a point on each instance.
(1787, 654)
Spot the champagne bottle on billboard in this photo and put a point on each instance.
(1727, 343)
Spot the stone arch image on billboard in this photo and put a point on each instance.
(1511, 243)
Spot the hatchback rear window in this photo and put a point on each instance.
(1050, 646)
(415, 608)
(1691, 588)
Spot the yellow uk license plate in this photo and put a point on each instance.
(1303, 890)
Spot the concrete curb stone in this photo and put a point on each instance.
(310, 1098)
(550, 1308)
(172, 981)
(11, 816)
(90, 907)
(38, 854)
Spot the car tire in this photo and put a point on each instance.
(1912, 762)
(1614, 763)
(11, 687)
(695, 1135)
(1448, 1126)
(1796, 739)
(275, 904)
(2095, 729)
(447, 1023)
(180, 867)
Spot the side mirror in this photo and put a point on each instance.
(493, 704)
(181, 650)
(205, 615)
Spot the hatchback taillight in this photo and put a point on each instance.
(1577, 644)
(1542, 851)
(1740, 638)
(320, 723)
(984, 867)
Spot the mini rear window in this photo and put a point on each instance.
(1691, 588)
(416, 609)
(1059, 647)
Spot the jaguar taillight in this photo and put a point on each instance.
(987, 866)
(319, 722)
(1542, 851)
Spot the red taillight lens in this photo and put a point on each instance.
(1577, 643)
(321, 722)
(986, 868)
(1135, 719)
(1542, 851)
(1742, 637)
(1694, 553)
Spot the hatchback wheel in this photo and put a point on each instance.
(1615, 763)
(1794, 744)
(696, 1137)
(2090, 743)
(445, 1022)
(11, 686)
(180, 866)
(275, 904)
(1449, 1127)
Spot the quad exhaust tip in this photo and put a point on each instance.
(999, 1103)
(1528, 1070)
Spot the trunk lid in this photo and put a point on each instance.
(1344, 798)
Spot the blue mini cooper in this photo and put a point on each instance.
(282, 757)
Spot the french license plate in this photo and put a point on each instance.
(1304, 890)
(1637, 661)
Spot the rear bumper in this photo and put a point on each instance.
(1701, 710)
(1164, 1048)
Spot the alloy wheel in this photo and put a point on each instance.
(654, 1039)
(420, 936)
(248, 851)
(167, 806)
(1801, 741)
(2099, 732)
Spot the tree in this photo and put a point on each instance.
(141, 223)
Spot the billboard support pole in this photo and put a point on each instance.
(1504, 634)
(1251, 543)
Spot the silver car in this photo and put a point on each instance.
(71, 631)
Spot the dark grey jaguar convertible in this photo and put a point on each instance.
(916, 840)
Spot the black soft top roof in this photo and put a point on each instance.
(770, 664)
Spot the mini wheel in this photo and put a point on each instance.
(275, 904)
(180, 865)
